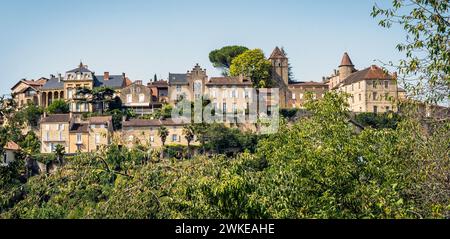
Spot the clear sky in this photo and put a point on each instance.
(147, 37)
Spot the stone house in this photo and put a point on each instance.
(65, 87)
(146, 132)
(74, 134)
(27, 91)
(371, 90)
(138, 98)
(9, 153)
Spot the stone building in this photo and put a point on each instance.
(74, 134)
(370, 90)
(146, 132)
(65, 87)
(27, 91)
(230, 95)
(298, 92)
(9, 153)
(138, 98)
(189, 86)
(292, 93)
(54, 130)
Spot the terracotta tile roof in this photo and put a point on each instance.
(79, 128)
(56, 118)
(277, 54)
(12, 146)
(160, 83)
(372, 73)
(228, 81)
(128, 82)
(141, 123)
(100, 119)
(36, 84)
(311, 83)
(178, 122)
(346, 61)
(154, 123)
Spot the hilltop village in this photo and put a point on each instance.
(85, 127)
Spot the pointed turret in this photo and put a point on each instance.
(277, 54)
(346, 68)
(346, 61)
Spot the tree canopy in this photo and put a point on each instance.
(222, 58)
(425, 70)
(253, 64)
(58, 107)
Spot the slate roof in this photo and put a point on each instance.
(56, 118)
(175, 79)
(81, 69)
(53, 84)
(115, 81)
(79, 128)
(371, 73)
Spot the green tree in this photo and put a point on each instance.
(60, 151)
(31, 144)
(31, 114)
(189, 135)
(253, 64)
(99, 97)
(425, 69)
(222, 58)
(163, 134)
(58, 107)
(290, 71)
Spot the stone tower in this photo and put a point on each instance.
(280, 74)
(346, 68)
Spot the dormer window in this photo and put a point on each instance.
(78, 76)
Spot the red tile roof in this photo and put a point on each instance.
(346, 61)
(12, 146)
(100, 119)
(371, 73)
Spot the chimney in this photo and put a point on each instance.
(52, 76)
(59, 77)
(395, 75)
(241, 78)
(106, 76)
(124, 75)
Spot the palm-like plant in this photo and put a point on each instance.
(163, 134)
(189, 135)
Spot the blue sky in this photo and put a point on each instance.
(141, 38)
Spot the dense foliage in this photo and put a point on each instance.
(222, 58)
(425, 70)
(307, 170)
(58, 107)
(253, 64)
